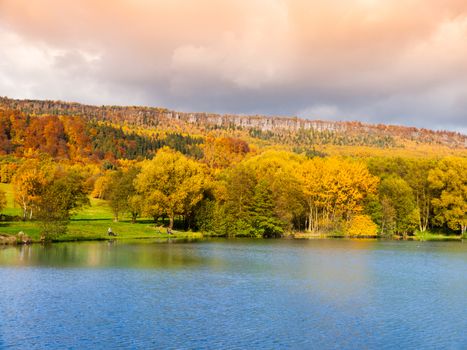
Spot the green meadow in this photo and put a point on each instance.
(90, 223)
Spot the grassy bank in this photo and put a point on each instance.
(418, 236)
(430, 236)
(90, 223)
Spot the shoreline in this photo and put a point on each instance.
(23, 239)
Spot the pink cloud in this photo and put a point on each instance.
(365, 58)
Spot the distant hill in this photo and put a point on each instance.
(296, 133)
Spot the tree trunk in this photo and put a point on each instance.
(424, 216)
(171, 221)
(315, 226)
(420, 217)
(310, 220)
(422, 226)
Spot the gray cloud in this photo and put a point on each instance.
(368, 60)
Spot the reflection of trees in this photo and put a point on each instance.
(164, 254)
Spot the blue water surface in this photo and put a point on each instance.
(234, 294)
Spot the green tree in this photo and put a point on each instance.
(449, 180)
(240, 190)
(263, 219)
(57, 200)
(398, 206)
(417, 178)
(388, 217)
(135, 206)
(122, 193)
(278, 170)
(209, 213)
(205, 215)
(415, 173)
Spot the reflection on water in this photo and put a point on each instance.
(139, 254)
(234, 294)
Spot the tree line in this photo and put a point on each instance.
(231, 191)
(292, 131)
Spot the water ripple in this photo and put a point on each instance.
(238, 294)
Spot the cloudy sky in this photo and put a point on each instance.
(391, 61)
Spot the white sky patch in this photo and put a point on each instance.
(251, 57)
(320, 112)
(35, 70)
(21, 62)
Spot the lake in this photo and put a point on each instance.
(235, 294)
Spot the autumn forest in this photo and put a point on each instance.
(231, 176)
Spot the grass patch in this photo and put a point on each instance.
(430, 236)
(11, 209)
(90, 223)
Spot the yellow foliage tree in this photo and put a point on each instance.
(101, 186)
(170, 184)
(334, 188)
(3, 202)
(29, 178)
(361, 225)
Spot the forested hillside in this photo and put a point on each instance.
(263, 130)
(231, 175)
